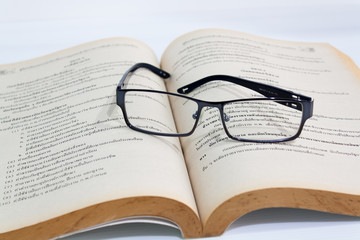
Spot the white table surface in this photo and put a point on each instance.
(34, 28)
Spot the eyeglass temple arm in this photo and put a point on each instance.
(264, 89)
(157, 71)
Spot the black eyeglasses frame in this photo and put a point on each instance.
(279, 95)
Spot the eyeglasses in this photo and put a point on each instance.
(279, 116)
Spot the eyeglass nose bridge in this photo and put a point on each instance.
(223, 116)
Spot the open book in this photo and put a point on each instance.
(68, 161)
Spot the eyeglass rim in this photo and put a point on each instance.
(218, 104)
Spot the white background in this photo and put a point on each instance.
(34, 28)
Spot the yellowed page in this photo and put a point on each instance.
(325, 156)
(64, 143)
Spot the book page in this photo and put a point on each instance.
(325, 156)
(64, 142)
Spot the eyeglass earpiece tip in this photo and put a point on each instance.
(164, 74)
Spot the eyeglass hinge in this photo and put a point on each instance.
(296, 97)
